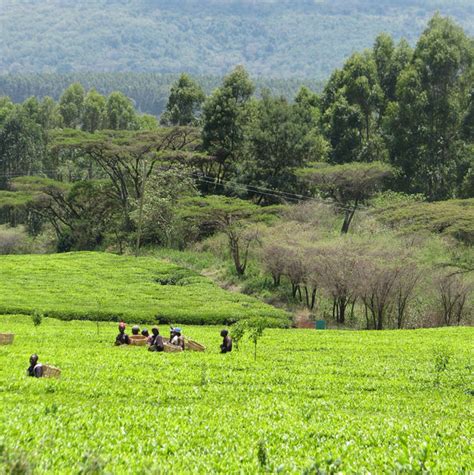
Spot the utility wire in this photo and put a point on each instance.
(207, 179)
(276, 193)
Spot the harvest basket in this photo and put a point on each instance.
(51, 371)
(138, 340)
(169, 348)
(194, 345)
(6, 338)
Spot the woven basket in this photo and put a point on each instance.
(194, 346)
(6, 338)
(138, 340)
(169, 348)
(50, 371)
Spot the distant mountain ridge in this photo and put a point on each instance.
(272, 38)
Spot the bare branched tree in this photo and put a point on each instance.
(453, 295)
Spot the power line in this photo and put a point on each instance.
(280, 194)
(276, 193)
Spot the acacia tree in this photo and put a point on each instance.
(232, 216)
(349, 185)
(81, 214)
(129, 158)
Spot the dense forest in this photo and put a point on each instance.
(148, 91)
(302, 38)
(373, 175)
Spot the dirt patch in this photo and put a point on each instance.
(302, 319)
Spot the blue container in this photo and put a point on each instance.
(320, 324)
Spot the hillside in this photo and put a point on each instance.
(273, 38)
(99, 286)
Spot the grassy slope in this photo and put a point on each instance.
(370, 402)
(453, 218)
(103, 286)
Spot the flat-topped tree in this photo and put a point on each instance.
(349, 185)
(234, 217)
(129, 158)
(81, 213)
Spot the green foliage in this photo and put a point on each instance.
(226, 113)
(432, 99)
(349, 185)
(280, 139)
(93, 115)
(308, 402)
(149, 91)
(22, 146)
(36, 318)
(238, 331)
(14, 199)
(120, 112)
(143, 289)
(184, 103)
(255, 328)
(71, 105)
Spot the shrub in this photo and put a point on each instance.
(13, 241)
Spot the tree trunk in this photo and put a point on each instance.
(348, 215)
(235, 251)
(313, 298)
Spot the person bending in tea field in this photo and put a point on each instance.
(122, 337)
(226, 346)
(156, 341)
(36, 369)
(177, 339)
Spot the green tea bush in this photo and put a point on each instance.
(100, 286)
(313, 402)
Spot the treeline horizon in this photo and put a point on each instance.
(149, 91)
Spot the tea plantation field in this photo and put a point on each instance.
(333, 401)
(102, 286)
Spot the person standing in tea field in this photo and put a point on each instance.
(35, 369)
(226, 346)
(122, 337)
